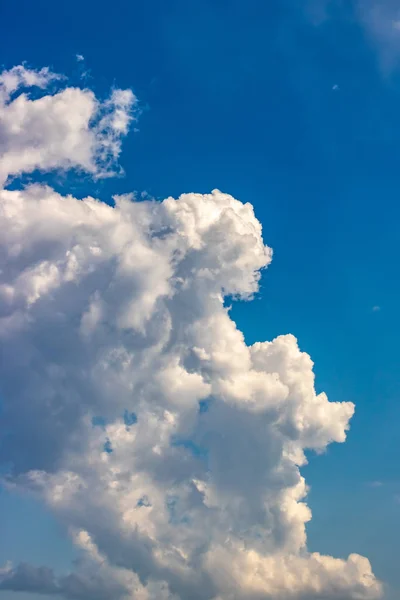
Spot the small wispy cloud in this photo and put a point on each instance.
(381, 21)
(376, 308)
(79, 57)
(335, 87)
(375, 484)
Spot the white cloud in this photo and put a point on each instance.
(376, 308)
(21, 77)
(192, 488)
(68, 129)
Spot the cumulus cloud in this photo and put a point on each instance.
(92, 579)
(133, 407)
(70, 128)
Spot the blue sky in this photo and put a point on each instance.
(296, 110)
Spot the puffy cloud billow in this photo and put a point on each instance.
(131, 403)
